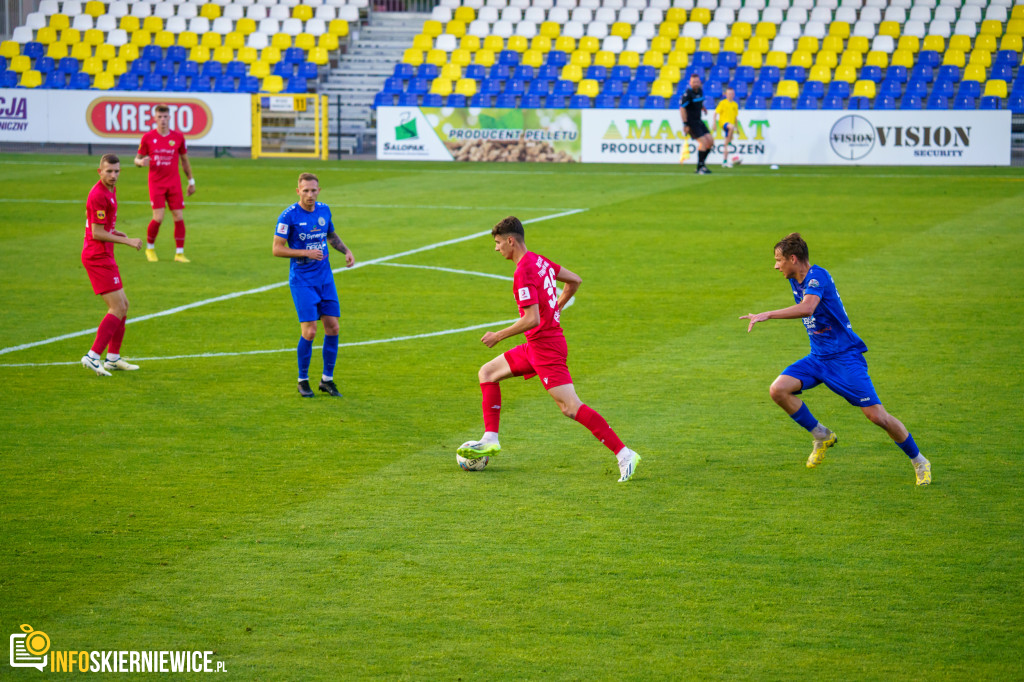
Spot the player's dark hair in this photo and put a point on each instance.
(161, 109)
(695, 75)
(109, 158)
(305, 177)
(509, 226)
(793, 245)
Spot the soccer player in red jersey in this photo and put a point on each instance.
(544, 353)
(98, 259)
(161, 149)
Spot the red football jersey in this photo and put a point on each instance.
(163, 152)
(100, 209)
(534, 283)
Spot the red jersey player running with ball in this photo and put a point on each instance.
(161, 149)
(544, 353)
(98, 259)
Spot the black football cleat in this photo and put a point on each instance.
(304, 390)
(329, 388)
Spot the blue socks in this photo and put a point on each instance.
(330, 355)
(909, 447)
(804, 418)
(305, 354)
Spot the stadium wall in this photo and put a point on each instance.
(843, 137)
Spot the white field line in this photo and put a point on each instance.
(276, 285)
(278, 204)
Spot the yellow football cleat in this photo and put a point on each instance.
(924, 472)
(151, 255)
(817, 455)
(180, 258)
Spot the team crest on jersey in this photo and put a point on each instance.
(101, 215)
(322, 222)
(813, 284)
(524, 294)
(282, 229)
(170, 143)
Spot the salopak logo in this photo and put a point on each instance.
(852, 137)
(406, 128)
(133, 116)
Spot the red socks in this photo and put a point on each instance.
(108, 328)
(491, 405)
(599, 427)
(151, 231)
(115, 340)
(179, 233)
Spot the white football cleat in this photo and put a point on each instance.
(119, 364)
(94, 365)
(627, 466)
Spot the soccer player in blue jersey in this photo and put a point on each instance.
(836, 359)
(303, 232)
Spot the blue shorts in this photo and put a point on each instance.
(846, 374)
(312, 303)
(726, 127)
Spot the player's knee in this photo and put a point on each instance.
(309, 334)
(778, 392)
(485, 375)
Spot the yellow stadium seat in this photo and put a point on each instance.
(338, 27)
(461, 57)
(580, 58)
(621, 29)
(996, 88)
(484, 57)
(302, 12)
(141, 38)
(551, 29)
(677, 15)
(272, 84)
(431, 28)
(103, 81)
(1015, 27)
(604, 58)
(826, 58)
(223, 54)
(128, 52)
(236, 41)
(991, 27)
(437, 57)
(670, 73)
(753, 59)
(960, 42)
(660, 88)
(188, 39)
(19, 64)
(954, 58)
(117, 66)
(517, 44)
(260, 69)
(81, 51)
(975, 72)
(92, 66)
(629, 58)
(465, 14)
(985, 42)
(668, 30)
(61, 22)
(93, 36)
(455, 27)
(788, 89)
(653, 58)
(1018, 12)
(710, 44)
(808, 44)
(857, 44)
(701, 14)
(982, 58)
(106, 53)
(820, 73)
(877, 58)
(534, 58)
(212, 40)
(496, 44)
(318, 56)
(9, 49)
(734, 44)
(71, 36)
(661, 44)
(423, 42)
(845, 72)
(1009, 42)
(889, 28)
(801, 58)
(588, 87)
(777, 59)
(270, 55)
(282, 41)
(839, 28)
(911, 44)
(327, 41)
(852, 58)
(540, 44)
(902, 58)
(572, 72)
(469, 42)
(31, 79)
(247, 55)
(211, 11)
(164, 39)
(766, 29)
(588, 44)
(833, 43)
(129, 23)
(441, 86)
(245, 26)
(199, 54)
(686, 44)
(758, 44)
(452, 72)
(55, 51)
(153, 24)
(742, 29)
(465, 86)
(934, 44)
(864, 89)
(678, 58)
(95, 8)
(47, 35)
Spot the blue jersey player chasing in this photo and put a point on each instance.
(836, 359)
(303, 232)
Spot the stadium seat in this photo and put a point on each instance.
(807, 101)
(964, 102)
(884, 101)
(832, 102)
(937, 101)
(990, 103)
(224, 83)
(782, 103)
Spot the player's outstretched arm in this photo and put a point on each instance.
(572, 283)
(529, 320)
(118, 237)
(334, 240)
(282, 250)
(804, 308)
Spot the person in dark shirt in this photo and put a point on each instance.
(691, 108)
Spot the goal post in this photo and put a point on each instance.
(289, 126)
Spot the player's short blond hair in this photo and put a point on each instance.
(161, 109)
(306, 177)
(109, 158)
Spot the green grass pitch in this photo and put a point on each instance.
(200, 504)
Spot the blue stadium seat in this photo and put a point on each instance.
(506, 101)
(728, 59)
(177, 83)
(128, 81)
(55, 80)
(68, 65)
(8, 79)
(629, 102)
(296, 85)
(1006, 57)
(43, 65)
(654, 102)
(556, 102)
(937, 101)
(489, 86)
(647, 74)
(885, 102)
(713, 90)
(638, 88)
(620, 73)
(249, 84)
(549, 72)
(523, 72)
(580, 102)
(755, 102)
(502, 72)
(3, 63)
(892, 88)
(674, 102)
(530, 102)
(742, 89)
(910, 101)
(33, 50)
(80, 81)
(383, 99)
(1016, 104)
(1002, 72)
(393, 85)
(403, 71)
(482, 100)
(151, 53)
(918, 88)
(283, 69)
(200, 83)
(152, 82)
(871, 73)
(294, 55)
(408, 99)
(164, 67)
(418, 86)
(719, 74)
(432, 100)
(806, 101)
(970, 89)
(514, 86)
(508, 58)
(613, 88)
(922, 72)
(557, 58)
(539, 87)
(989, 102)
(428, 71)
(949, 73)
(770, 74)
(929, 57)
(190, 68)
(858, 102)
(743, 74)
(475, 71)
(455, 100)
(177, 53)
(815, 89)
(832, 102)
(223, 83)
(308, 70)
(237, 69)
(944, 88)
(839, 89)
(596, 72)
(604, 101)
(795, 73)
(964, 102)
(563, 88)
(779, 102)
(763, 88)
(702, 59)
(211, 69)
(896, 73)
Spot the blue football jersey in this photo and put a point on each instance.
(829, 327)
(307, 230)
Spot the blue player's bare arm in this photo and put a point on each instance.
(804, 308)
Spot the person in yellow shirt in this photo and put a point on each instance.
(725, 115)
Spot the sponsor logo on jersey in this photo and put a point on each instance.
(282, 228)
(524, 294)
(813, 284)
(101, 215)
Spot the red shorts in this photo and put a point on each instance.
(162, 195)
(545, 359)
(103, 274)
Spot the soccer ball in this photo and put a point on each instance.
(736, 159)
(475, 464)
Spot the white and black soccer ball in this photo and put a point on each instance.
(736, 159)
(474, 464)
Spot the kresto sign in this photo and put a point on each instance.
(133, 116)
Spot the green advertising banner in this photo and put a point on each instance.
(541, 135)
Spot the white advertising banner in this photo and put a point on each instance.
(91, 116)
(844, 137)
(406, 133)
